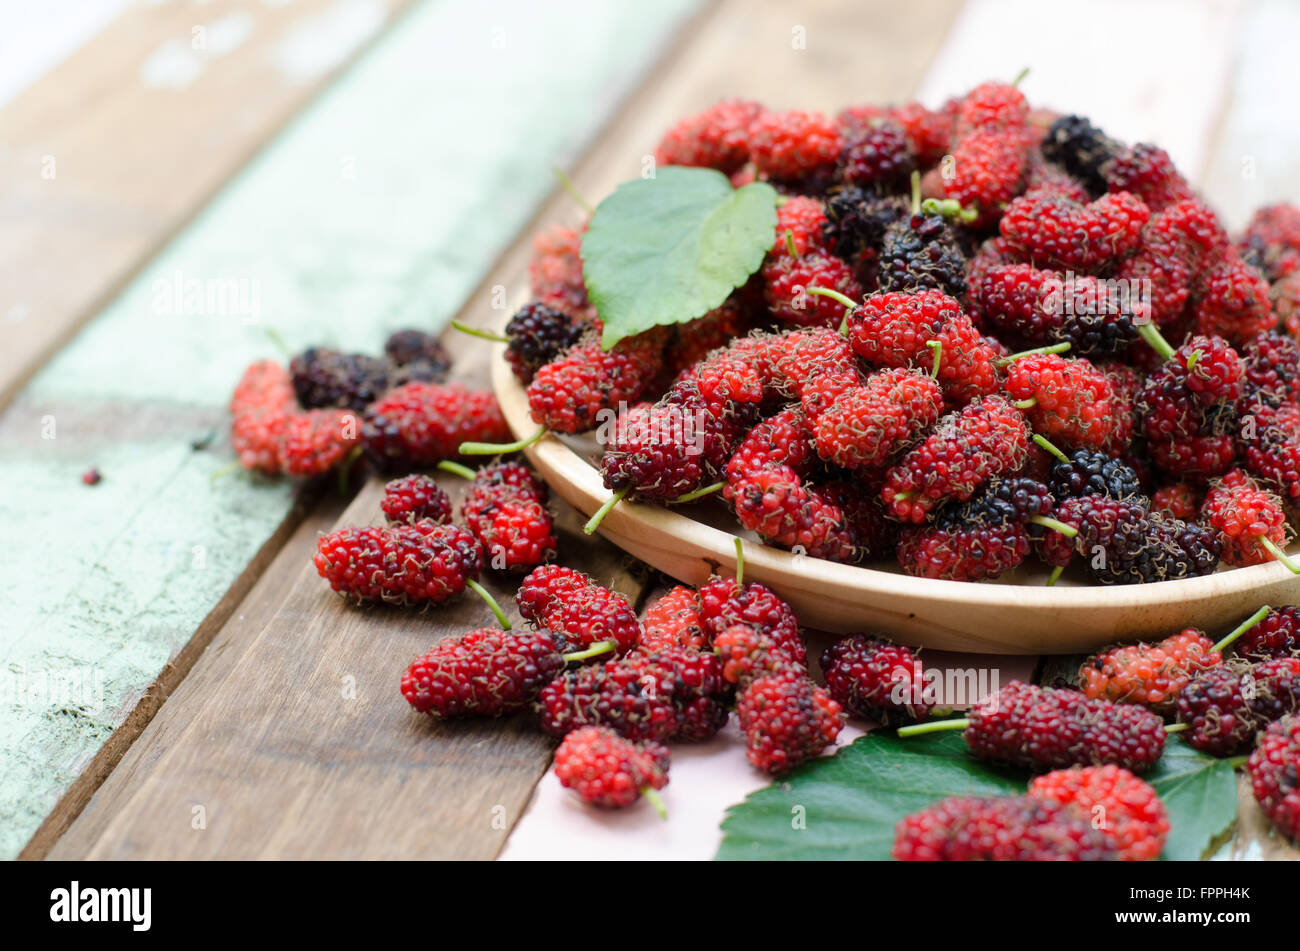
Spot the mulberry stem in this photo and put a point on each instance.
(1068, 531)
(1177, 727)
(1279, 554)
(567, 184)
(934, 726)
(1046, 444)
(937, 347)
(455, 468)
(652, 796)
(833, 294)
(595, 650)
(498, 448)
(593, 523)
(481, 334)
(1241, 629)
(1056, 574)
(789, 243)
(1155, 340)
(740, 562)
(491, 602)
(1054, 348)
(700, 493)
(345, 468)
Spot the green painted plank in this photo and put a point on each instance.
(381, 206)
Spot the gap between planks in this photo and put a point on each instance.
(125, 174)
(236, 744)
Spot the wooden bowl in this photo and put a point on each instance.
(1017, 614)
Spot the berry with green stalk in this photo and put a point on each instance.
(1069, 400)
(1249, 521)
(488, 672)
(902, 329)
(571, 605)
(535, 336)
(965, 450)
(1089, 472)
(788, 276)
(610, 771)
(654, 454)
(505, 509)
(922, 252)
(1152, 675)
(1042, 728)
(984, 537)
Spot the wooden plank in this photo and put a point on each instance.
(128, 595)
(283, 748)
(204, 662)
(105, 157)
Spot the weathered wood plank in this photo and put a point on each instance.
(140, 392)
(98, 159)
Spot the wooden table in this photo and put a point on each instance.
(263, 719)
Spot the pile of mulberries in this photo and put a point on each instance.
(918, 324)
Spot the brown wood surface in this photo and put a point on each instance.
(126, 172)
(259, 733)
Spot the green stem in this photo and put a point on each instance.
(1026, 404)
(1068, 531)
(937, 347)
(275, 338)
(948, 208)
(833, 294)
(455, 468)
(1177, 727)
(483, 593)
(1055, 575)
(699, 493)
(567, 184)
(740, 563)
(1044, 443)
(1241, 629)
(1020, 77)
(652, 796)
(593, 523)
(1054, 348)
(595, 650)
(499, 448)
(481, 334)
(903, 496)
(1155, 340)
(789, 243)
(1236, 762)
(345, 468)
(934, 726)
(1192, 358)
(225, 471)
(916, 192)
(1279, 554)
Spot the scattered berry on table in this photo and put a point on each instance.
(488, 672)
(1124, 808)
(1000, 829)
(420, 424)
(417, 563)
(1274, 769)
(606, 770)
(786, 720)
(874, 679)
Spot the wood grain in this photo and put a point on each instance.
(282, 764)
(106, 156)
